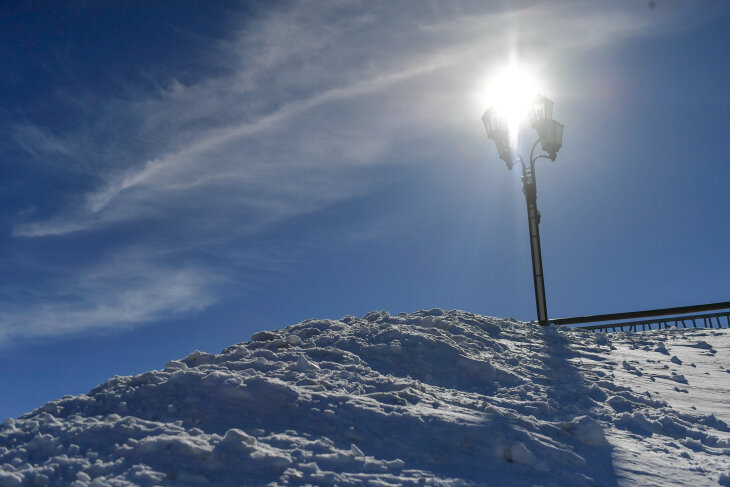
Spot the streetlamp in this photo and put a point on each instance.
(550, 132)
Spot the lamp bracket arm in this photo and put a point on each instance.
(532, 152)
(515, 160)
(543, 156)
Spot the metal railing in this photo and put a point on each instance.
(670, 318)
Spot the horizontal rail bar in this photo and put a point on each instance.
(705, 321)
(641, 314)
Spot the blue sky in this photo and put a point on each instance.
(178, 176)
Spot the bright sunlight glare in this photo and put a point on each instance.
(511, 91)
(514, 90)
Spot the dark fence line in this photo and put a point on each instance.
(642, 314)
(711, 320)
(677, 317)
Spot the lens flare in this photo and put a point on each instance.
(511, 92)
(514, 90)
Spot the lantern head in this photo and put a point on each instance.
(498, 130)
(549, 130)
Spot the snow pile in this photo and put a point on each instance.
(430, 398)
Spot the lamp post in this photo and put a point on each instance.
(550, 134)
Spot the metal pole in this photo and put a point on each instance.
(529, 187)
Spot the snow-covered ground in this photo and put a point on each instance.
(430, 398)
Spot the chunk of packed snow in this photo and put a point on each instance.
(587, 430)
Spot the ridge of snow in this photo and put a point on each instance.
(430, 398)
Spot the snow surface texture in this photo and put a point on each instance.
(430, 398)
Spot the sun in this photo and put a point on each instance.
(514, 89)
(510, 91)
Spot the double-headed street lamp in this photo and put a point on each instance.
(502, 131)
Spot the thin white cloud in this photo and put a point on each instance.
(121, 292)
(40, 143)
(181, 170)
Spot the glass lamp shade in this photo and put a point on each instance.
(541, 110)
(505, 152)
(497, 130)
(492, 123)
(551, 137)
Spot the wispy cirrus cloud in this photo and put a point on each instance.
(123, 291)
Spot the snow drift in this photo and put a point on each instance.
(430, 398)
